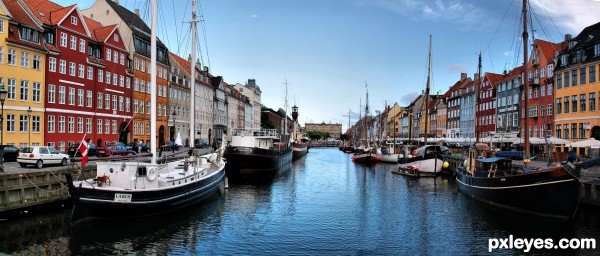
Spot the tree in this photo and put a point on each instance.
(316, 135)
(265, 123)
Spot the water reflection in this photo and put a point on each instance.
(322, 203)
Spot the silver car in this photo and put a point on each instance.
(41, 155)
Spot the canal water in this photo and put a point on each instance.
(322, 204)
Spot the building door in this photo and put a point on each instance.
(596, 132)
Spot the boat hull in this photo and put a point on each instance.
(391, 158)
(243, 161)
(550, 193)
(96, 203)
(365, 158)
(299, 150)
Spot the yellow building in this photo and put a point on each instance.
(22, 73)
(334, 130)
(576, 78)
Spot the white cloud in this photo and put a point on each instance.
(254, 16)
(571, 16)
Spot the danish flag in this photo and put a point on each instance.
(83, 148)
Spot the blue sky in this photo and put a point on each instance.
(328, 49)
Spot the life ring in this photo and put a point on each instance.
(151, 174)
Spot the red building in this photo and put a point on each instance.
(85, 62)
(486, 109)
(540, 93)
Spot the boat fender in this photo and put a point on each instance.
(151, 174)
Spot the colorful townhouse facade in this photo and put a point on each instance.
(78, 66)
(136, 36)
(486, 107)
(541, 88)
(577, 87)
(22, 75)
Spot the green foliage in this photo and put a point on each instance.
(265, 123)
(315, 135)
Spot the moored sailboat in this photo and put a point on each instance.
(546, 191)
(132, 189)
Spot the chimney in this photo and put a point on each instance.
(476, 76)
(117, 2)
(189, 58)
(137, 12)
(463, 76)
(567, 37)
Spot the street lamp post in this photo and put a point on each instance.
(173, 136)
(3, 94)
(29, 125)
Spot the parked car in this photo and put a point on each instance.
(40, 156)
(10, 153)
(138, 147)
(114, 150)
(73, 149)
(201, 144)
(170, 146)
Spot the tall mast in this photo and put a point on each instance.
(285, 108)
(427, 92)
(153, 86)
(525, 87)
(367, 115)
(193, 77)
(477, 99)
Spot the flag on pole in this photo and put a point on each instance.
(83, 148)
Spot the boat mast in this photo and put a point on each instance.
(367, 116)
(285, 108)
(427, 93)
(477, 99)
(193, 77)
(153, 86)
(525, 88)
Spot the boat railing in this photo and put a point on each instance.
(255, 132)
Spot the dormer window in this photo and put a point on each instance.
(571, 44)
(28, 34)
(597, 49)
(116, 38)
(563, 60)
(74, 20)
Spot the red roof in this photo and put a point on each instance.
(20, 15)
(548, 49)
(48, 12)
(99, 32)
(182, 62)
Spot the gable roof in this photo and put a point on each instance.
(137, 25)
(98, 32)
(182, 62)
(52, 14)
(20, 14)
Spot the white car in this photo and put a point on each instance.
(41, 155)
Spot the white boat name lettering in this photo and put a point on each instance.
(122, 197)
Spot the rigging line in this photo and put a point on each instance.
(163, 25)
(499, 25)
(550, 17)
(203, 24)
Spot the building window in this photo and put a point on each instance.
(114, 126)
(81, 45)
(10, 123)
(581, 131)
(559, 81)
(51, 124)
(106, 126)
(37, 61)
(567, 81)
(72, 68)
(51, 93)
(23, 123)
(574, 105)
(24, 59)
(61, 124)
(51, 65)
(115, 57)
(582, 106)
(582, 75)
(574, 77)
(574, 130)
(107, 101)
(114, 102)
(81, 71)
(90, 73)
(592, 101)
(12, 57)
(80, 97)
(35, 123)
(566, 104)
(108, 54)
(558, 106)
(71, 127)
(100, 99)
(107, 77)
(121, 103)
(99, 126)
(558, 131)
(88, 125)
(73, 43)
(80, 125)
(74, 20)
(63, 39)
(61, 94)
(100, 75)
(37, 92)
(24, 90)
(62, 67)
(127, 108)
(89, 98)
